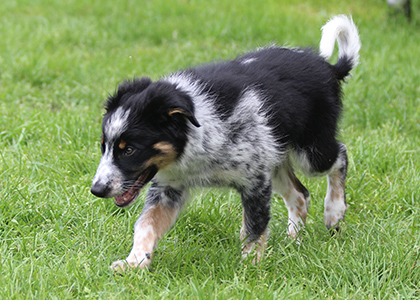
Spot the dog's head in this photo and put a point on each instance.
(144, 130)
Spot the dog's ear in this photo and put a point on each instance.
(180, 103)
(166, 102)
(185, 113)
(125, 90)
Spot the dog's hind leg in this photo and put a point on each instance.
(160, 212)
(295, 196)
(335, 205)
(256, 215)
(329, 158)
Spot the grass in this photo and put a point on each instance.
(58, 62)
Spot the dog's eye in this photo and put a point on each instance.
(128, 151)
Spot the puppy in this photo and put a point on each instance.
(244, 123)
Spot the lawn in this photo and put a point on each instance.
(58, 62)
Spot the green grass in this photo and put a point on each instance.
(58, 62)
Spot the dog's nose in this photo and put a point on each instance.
(99, 190)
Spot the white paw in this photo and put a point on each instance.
(295, 225)
(255, 248)
(141, 262)
(334, 214)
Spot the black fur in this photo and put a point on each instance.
(301, 90)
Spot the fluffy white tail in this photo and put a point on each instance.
(342, 29)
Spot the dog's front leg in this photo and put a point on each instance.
(256, 215)
(160, 211)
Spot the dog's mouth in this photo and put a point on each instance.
(132, 193)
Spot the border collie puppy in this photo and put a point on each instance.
(244, 123)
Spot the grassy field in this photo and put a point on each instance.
(58, 62)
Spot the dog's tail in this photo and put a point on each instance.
(342, 29)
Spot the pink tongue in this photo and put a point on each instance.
(133, 192)
(127, 196)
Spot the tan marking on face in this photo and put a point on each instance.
(102, 140)
(166, 156)
(122, 145)
(164, 147)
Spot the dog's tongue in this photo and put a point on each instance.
(126, 198)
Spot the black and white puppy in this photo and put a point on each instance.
(237, 123)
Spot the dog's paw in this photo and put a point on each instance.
(122, 266)
(254, 249)
(333, 217)
(119, 266)
(334, 228)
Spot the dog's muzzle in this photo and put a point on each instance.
(100, 190)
